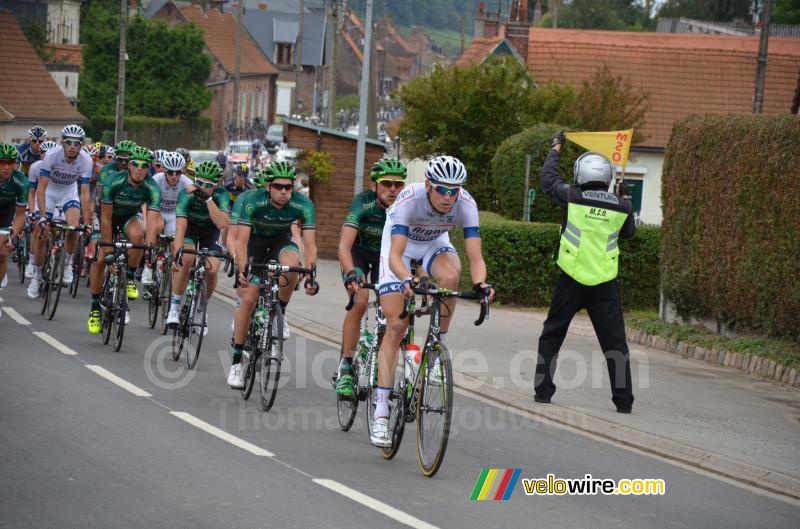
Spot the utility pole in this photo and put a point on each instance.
(761, 69)
(461, 29)
(555, 12)
(237, 71)
(333, 14)
(362, 108)
(372, 107)
(298, 61)
(119, 133)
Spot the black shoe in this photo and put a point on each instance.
(624, 410)
(541, 400)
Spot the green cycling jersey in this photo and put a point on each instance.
(127, 199)
(368, 217)
(15, 189)
(256, 210)
(195, 211)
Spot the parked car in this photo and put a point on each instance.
(274, 137)
(238, 151)
(203, 156)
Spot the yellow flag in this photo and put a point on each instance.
(614, 145)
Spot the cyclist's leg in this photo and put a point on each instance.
(72, 213)
(180, 278)
(442, 263)
(351, 326)
(209, 239)
(289, 255)
(135, 233)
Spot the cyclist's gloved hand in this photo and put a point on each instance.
(312, 287)
(426, 283)
(42, 221)
(351, 281)
(201, 193)
(484, 289)
(557, 139)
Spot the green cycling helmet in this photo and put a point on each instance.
(281, 170)
(209, 171)
(387, 167)
(124, 147)
(8, 151)
(261, 178)
(142, 154)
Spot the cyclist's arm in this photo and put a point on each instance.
(310, 244)
(106, 211)
(32, 200)
(86, 203)
(151, 226)
(242, 237)
(219, 215)
(180, 232)
(477, 266)
(19, 219)
(346, 241)
(41, 187)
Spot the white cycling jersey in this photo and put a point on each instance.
(63, 173)
(427, 230)
(33, 174)
(169, 194)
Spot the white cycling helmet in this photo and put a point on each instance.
(446, 170)
(173, 161)
(90, 149)
(592, 167)
(158, 155)
(73, 131)
(47, 145)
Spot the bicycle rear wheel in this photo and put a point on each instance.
(54, 288)
(271, 359)
(197, 325)
(44, 291)
(120, 310)
(249, 362)
(434, 408)
(77, 266)
(164, 295)
(346, 407)
(107, 306)
(22, 257)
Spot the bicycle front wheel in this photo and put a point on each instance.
(197, 325)
(22, 257)
(77, 266)
(434, 409)
(164, 295)
(107, 306)
(271, 359)
(54, 288)
(120, 309)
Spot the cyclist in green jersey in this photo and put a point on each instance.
(13, 201)
(203, 209)
(265, 232)
(124, 193)
(359, 254)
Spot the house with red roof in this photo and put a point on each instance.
(28, 96)
(258, 76)
(682, 74)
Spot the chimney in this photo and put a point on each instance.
(517, 31)
(262, 6)
(537, 12)
(480, 19)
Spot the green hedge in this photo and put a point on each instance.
(156, 133)
(508, 172)
(731, 244)
(519, 258)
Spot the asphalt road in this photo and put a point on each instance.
(174, 448)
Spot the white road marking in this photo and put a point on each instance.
(114, 379)
(16, 316)
(54, 343)
(372, 503)
(221, 434)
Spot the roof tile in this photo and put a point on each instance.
(682, 74)
(29, 93)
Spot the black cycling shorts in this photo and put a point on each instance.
(203, 238)
(7, 212)
(264, 249)
(365, 264)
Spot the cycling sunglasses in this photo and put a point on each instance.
(172, 172)
(73, 143)
(282, 187)
(398, 184)
(447, 191)
(36, 141)
(203, 183)
(140, 164)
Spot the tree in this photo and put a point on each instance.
(786, 12)
(714, 10)
(166, 72)
(37, 35)
(468, 112)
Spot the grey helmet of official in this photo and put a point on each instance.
(592, 167)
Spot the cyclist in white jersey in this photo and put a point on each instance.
(171, 182)
(65, 170)
(33, 211)
(416, 228)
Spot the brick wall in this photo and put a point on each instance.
(332, 200)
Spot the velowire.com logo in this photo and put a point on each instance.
(495, 484)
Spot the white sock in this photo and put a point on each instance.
(70, 257)
(175, 302)
(37, 272)
(442, 336)
(382, 403)
(32, 258)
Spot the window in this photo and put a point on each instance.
(283, 53)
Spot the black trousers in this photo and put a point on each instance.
(605, 310)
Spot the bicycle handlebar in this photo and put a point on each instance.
(274, 266)
(444, 293)
(207, 253)
(369, 286)
(124, 245)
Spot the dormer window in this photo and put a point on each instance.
(283, 53)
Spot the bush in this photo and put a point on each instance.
(731, 244)
(508, 172)
(157, 133)
(520, 259)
